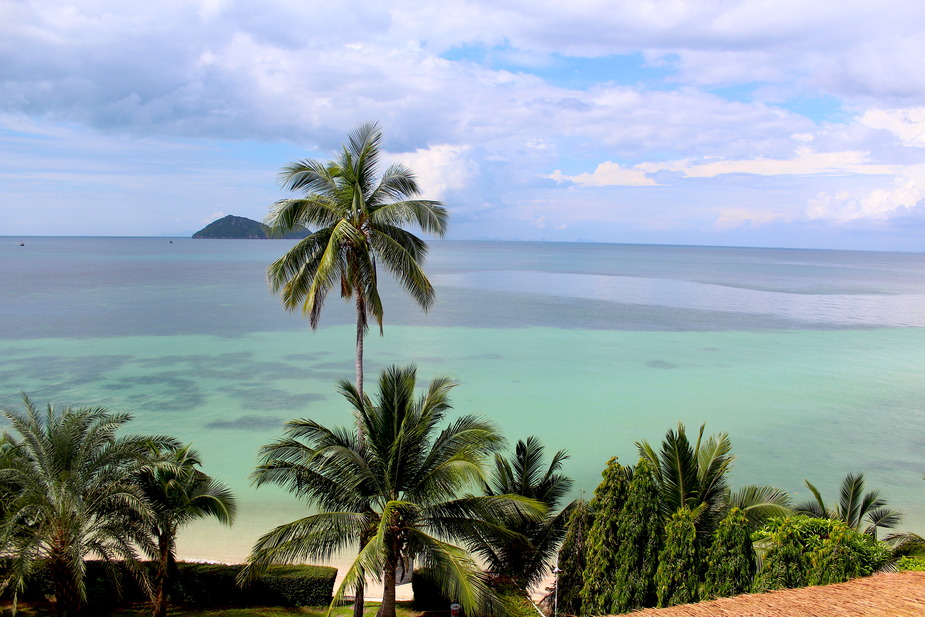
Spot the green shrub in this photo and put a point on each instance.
(601, 540)
(730, 558)
(677, 579)
(639, 542)
(202, 585)
(911, 564)
(214, 585)
(572, 559)
(299, 585)
(798, 551)
(108, 584)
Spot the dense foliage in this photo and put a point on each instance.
(216, 585)
(572, 561)
(74, 496)
(800, 550)
(525, 557)
(730, 559)
(677, 579)
(861, 511)
(639, 541)
(195, 584)
(600, 561)
(399, 493)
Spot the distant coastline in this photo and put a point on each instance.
(241, 228)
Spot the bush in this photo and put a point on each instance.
(798, 551)
(730, 558)
(600, 543)
(677, 578)
(203, 585)
(639, 542)
(214, 585)
(911, 564)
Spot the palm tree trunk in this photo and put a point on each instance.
(388, 589)
(159, 608)
(361, 333)
(68, 601)
(361, 436)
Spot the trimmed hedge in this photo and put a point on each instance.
(198, 584)
(214, 585)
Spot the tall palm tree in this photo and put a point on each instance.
(359, 221)
(862, 512)
(525, 558)
(398, 493)
(76, 495)
(178, 494)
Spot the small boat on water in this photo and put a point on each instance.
(21, 243)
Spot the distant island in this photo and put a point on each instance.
(239, 227)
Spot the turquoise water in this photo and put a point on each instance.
(812, 361)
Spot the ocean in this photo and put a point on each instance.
(813, 361)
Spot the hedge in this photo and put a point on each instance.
(214, 585)
(202, 585)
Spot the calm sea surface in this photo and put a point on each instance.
(812, 361)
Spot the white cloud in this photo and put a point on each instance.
(486, 123)
(906, 192)
(906, 124)
(804, 162)
(439, 169)
(607, 173)
(734, 218)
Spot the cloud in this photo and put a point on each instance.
(805, 161)
(607, 173)
(908, 124)
(906, 194)
(674, 115)
(439, 169)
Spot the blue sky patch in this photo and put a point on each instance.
(818, 108)
(565, 71)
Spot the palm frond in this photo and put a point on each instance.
(760, 503)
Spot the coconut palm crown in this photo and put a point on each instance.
(360, 222)
(526, 559)
(399, 493)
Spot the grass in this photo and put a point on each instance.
(142, 610)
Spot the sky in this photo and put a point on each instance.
(714, 122)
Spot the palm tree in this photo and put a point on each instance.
(690, 475)
(76, 496)
(178, 494)
(397, 493)
(694, 474)
(359, 223)
(854, 507)
(524, 560)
